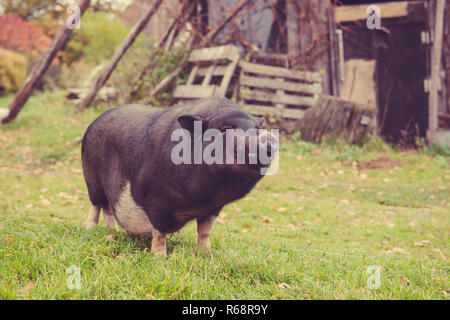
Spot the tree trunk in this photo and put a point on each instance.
(41, 67)
(138, 27)
(177, 23)
(333, 116)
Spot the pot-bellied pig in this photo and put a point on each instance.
(153, 170)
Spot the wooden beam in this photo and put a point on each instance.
(41, 67)
(257, 95)
(280, 84)
(358, 12)
(266, 110)
(129, 40)
(280, 72)
(436, 51)
(183, 91)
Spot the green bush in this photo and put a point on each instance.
(13, 71)
(98, 38)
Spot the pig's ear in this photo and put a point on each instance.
(260, 121)
(187, 122)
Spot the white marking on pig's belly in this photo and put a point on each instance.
(131, 216)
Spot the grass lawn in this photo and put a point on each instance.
(324, 227)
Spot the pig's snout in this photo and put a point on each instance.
(269, 142)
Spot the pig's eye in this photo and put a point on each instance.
(225, 128)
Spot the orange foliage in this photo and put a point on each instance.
(19, 35)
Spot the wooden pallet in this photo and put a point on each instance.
(211, 74)
(282, 92)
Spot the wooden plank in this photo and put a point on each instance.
(227, 78)
(258, 95)
(436, 51)
(280, 72)
(266, 110)
(280, 84)
(333, 54)
(359, 12)
(208, 75)
(186, 91)
(219, 70)
(192, 75)
(230, 53)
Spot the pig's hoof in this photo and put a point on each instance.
(204, 245)
(162, 254)
(90, 225)
(110, 222)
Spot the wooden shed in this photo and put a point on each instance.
(399, 68)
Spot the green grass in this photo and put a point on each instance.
(309, 232)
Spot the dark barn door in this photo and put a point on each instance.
(400, 73)
(397, 62)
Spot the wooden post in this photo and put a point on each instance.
(292, 24)
(138, 27)
(307, 27)
(41, 67)
(435, 70)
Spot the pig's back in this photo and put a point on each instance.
(120, 123)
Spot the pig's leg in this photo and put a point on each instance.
(204, 226)
(108, 218)
(92, 220)
(159, 243)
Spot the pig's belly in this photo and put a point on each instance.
(131, 216)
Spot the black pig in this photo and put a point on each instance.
(127, 156)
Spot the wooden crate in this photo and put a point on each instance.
(211, 74)
(282, 92)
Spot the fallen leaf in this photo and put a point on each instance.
(9, 240)
(28, 287)
(45, 202)
(318, 220)
(421, 243)
(405, 282)
(396, 250)
(284, 285)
